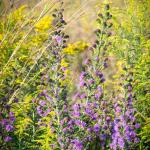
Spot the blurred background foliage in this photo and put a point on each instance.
(86, 10)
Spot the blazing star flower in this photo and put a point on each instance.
(91, 81)
(46, 112)
(48, 98)
(9, 127)
(89, 111)
(105, 65)
(82, 83)
(99, 74)
(82, 75)
(7, 106)
(12, 119)
(16, 100)
(137, 125)
(83, 96)
(4, 121)
(96, 128)
(136, 140)
(99, 93)
(95, 116)
(121, 142)
(64, 130)
(76, 111)
(11, 114)
(42, 103)
(77, 144)
(103, 137)
(7, 139)
(59, 39)
(89, 129)
(108, 118)
(129, 88)
(39, 110)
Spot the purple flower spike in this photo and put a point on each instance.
(4, 121)
(83, 96)
(16, 100)
(95, 116)
(102, 80)
(7, 139)
(39, 110)
(136, 140)
(96, 128)
(105, 65)
(89, 129)
(137, 125)
(42, 103)
(118, 109)
(82, 75)
(108, 118)
(63, 68)
(48, 98)
(103, 137)
(76, 109)
(59, 39)
(98, 95)
(82, 83)
(9, 128)
(129, 88)
(11, 114)
(12, 119)
(7, 106)
(121, 142)
(77, 145)
(99, 74)
(91, 81)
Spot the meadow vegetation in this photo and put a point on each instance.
(60, 90)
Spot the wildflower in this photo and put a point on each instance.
(108, 118)
(39, 110)
(76, 109)
(82, 83)
(9, 128)
(103, 137)
(82, 75)
(77, 144)
(96, 128)
(137, 125)
(12, 119)
(121, 142)
(59, 39)
(89, 129)
(7, 139)
(91, 81)
(44, 24)
(83, 96)
(42, 103)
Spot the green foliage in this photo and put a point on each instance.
(131, 44)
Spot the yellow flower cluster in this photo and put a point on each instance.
(64, 63)
(75, 48)
(44, 24)
(71, 50)
(18, 14)
(1, 37)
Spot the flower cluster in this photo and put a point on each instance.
(75, 48)
(7, 119)
(44, 24)
(124, 124)
(90, 120)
